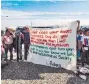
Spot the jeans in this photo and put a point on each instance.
(85, 57)
(18, 48)
(26, 48)
(9, 48)
(78, 53)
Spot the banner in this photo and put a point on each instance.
(54, 47)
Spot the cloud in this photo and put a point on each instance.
(30, 14)
(46, 0)
(21, 18)
(34, 16)
(7, 4)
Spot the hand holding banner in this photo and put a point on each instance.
(54, 47)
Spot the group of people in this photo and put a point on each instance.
(13, 40)
(83, 46)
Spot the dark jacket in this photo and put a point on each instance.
(26, 37)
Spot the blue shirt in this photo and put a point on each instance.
(79, 37)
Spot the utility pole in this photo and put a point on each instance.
(31, 23)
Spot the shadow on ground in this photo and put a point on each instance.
(27, 71)
(77, 80)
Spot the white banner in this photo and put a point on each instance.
(54, 47)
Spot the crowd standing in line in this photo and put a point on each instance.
(83, 46)
(13, 40)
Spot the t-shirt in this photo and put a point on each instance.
(85, 40)
(79, 37)
(78, 41)
(8, 39)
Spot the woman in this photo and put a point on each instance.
(7, 43)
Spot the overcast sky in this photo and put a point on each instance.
(43, 12)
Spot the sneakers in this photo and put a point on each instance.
(25, 60)
(79, 58)
(84, 70)
(83, 77)
(87, 66)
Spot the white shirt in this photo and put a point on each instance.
(8, 39)
(85, 40)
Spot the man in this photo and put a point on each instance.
(85, 48)
(19, 45)
(79, 46)
(7, 43)
(26, 35)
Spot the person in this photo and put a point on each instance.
(26, 36)
(79, 46)
(2, 51)
(85, 48)
(7, 41)
(14, 41)
(19, 43)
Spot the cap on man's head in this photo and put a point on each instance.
(86, 30)
(25, 27)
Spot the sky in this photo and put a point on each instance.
(43, 12)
